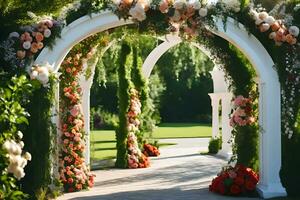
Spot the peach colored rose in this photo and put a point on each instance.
(39, 37)
(21, 54)
(34, 47)
(40, 45)
(275, 26)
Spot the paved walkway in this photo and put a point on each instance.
(180, 173)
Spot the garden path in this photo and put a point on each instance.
(180, 173)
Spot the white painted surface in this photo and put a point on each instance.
(269, 100)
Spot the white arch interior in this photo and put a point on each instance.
(221, 91)
(269, 100)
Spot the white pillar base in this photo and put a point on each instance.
(272, 190)
(224, 154)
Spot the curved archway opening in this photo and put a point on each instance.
(269, 87)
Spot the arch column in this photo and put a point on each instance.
(86, 85)
(226, 150)
(215, 103)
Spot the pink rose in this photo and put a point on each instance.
(75, 110)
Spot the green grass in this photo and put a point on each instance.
(182, 130)
(103, 142)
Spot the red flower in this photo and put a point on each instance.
(239, 180)
(70, 180)
(235, 189)
(250, 185)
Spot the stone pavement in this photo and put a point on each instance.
(180, 173)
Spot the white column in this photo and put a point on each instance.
(86, 84)
(269, 141)
(226, 150)
(215, 100)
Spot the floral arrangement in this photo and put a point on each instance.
(21, 47)
(136, 159)
(276, 29)
(150, 150)
(243, 112)
(17, 158)
(41, 73)
(73, 171)
(235, 181)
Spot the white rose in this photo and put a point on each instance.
(34, 74)
(7, 145)
(203, 12)
(179, 4)
(294, 30)
(14, 35)
(27, 45)
(19, 173)
(21, 144)
(43, 78)
(263, 15)
(270, 20)
(17, 149)
(47, 33)
(138, 12)
(23, 163)
(27, 156)
(20, 134)
(13, 160)
(258, 21)
(254, 14)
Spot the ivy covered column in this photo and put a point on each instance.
(124, 103)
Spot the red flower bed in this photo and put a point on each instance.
(150, 150)
(235, 181)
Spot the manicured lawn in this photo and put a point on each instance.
(103, 142)
(182, 130)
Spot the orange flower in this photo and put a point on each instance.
(39, 37)
(40, 45)
(34, 47)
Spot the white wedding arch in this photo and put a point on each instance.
(269, 86)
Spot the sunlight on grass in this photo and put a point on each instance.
(182, 130)
(103, 142)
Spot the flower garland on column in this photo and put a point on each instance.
(73, 171)
(244, 120)
(136, 159)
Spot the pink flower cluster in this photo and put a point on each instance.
(73, 171)
(33, 41)
(136, 159)
(186, 16)
(243, 112)
(276, 28)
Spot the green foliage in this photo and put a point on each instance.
(101, 119)
(13, 95)
(147, 116)
(124, 102)
(184, 71)
(39, 138)
(215, 144)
